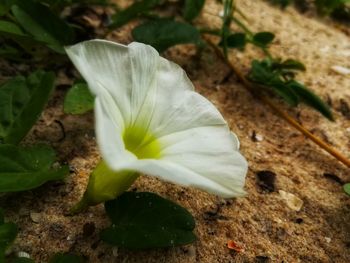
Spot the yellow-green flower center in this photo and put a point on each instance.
(141, 142)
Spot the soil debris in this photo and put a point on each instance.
(266, 180)
(344, 109)
(234, 246)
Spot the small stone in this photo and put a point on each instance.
(192, 251)
(328, 239)
(341, 70)
(257, 137)
(36, 217)
(292, 201)
(115, 251)
(23, 254)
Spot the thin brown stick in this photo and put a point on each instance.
(248, 85)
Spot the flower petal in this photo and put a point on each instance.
(178, 107)
(106, 68)
(109, 134)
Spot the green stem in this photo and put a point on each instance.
(214, 32)
(242, 26)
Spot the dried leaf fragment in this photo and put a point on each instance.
(233, 246)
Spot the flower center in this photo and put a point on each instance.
(141, 143)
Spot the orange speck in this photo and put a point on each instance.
(233, 246)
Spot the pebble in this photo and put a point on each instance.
(191, 251)
(36, 217)
(328, 239)
(115, 251)
(292, 201)
(23, 254)
(341, 70)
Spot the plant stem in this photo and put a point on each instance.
(242, 26)
(209, 31)
(249, 86)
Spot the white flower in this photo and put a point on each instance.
(150, 120)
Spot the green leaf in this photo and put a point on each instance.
(21, 102)
(10, 52)
(23, 260)
(136, 9)
(261, 72)
(10, 29)
(192, 9)
(263, 38)
(2, 217)
(8, 233)
(78, 99)
(27, 168)
(347, 188)
(290, 64)
(66, 258)
(237, 40)
(165, 33)
(286, 93)
(5, 6)
(326, 7)
(38, 20)
(145, 220)
(311, 99)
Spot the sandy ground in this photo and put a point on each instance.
(262, 223)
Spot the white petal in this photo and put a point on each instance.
(178, 107)
(175, 173)
(209, 152)
(144, 63)
(109, 135)
(106, 68)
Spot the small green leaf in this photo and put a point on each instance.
(192, 9)
(27, 168)
(23, 260)
(8, 233)
(268, 74)
(263, 38)
(11, 29)
(133, 11)
(347, 188)
(286, 93)
(237, 40)
(326, 7)
(78, 100)
(261, 72)
(311, 99)
(5, 6)
(2, 217)
(146, 220)
(165, 33)
(66, 258)
(38, 20)
(291, 64)
(21, 102)
(9, 52)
